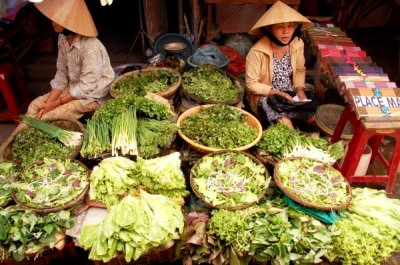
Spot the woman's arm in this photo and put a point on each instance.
(254, 62)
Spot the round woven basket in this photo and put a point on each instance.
(231, 208)
(250, 119)
(300, 200)
(67, 124)
(237, 83)
(168, 93)
(68, 204)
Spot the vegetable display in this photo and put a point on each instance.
(141, 82)
(133, 228)
(208, 84)
(30, 145)
(281, 141)
(313, 182)
(51, 183)
(219, 126)
(24, 233)
(9, 172)
(229, 179)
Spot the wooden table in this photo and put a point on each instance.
(240, 3)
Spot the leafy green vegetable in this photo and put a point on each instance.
(209, 84)
(229, 179)
(22, 230)
(51, 183)
(219, 126)
(134, 227)
(9, 172)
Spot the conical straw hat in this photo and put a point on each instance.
(71, 14)
(280, 13)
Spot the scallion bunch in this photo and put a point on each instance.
(68, 138)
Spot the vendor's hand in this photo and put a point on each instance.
(47, 106)
(301, 95)
(286, 96)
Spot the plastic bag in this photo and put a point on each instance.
(281, 104)
(323, 216)
(240, 43)
(209, 54)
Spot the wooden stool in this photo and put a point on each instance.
(365, 134)
(13, 91)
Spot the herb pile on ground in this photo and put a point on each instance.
(209, 84)
(229, 179)
(9, 172)
(313, 182)
(23, 231)
(30, 145)
(146, 81)
(219, 126)
(51, 183)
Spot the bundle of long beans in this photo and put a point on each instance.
(68, 138)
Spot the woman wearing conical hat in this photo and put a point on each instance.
(275, 65)
(83, 66)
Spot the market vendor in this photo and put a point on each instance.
(83, 66)
(275, 65)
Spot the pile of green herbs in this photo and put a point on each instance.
(219, 126)
(23, 231)
(31, 145)
(229, 179)
(115, 177)
(269, 231)
(119, 127)
(146, 81)
(51, 183)
(208, 83)
(313, 182)
(281, 141)
(9, 172)
(133, 227)
(368, 231)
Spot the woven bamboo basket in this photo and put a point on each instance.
(300, 200)
(67, 124)
(78, 199)
(167, 93)
(231, 208)
(238, 84)
(250, 120)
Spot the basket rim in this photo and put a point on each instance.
(299, 200)
(234, 80)
(226, 207)
(166, 93)
(68, 204)
(206, 149)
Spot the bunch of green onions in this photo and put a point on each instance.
(124, 133)
(68, 138)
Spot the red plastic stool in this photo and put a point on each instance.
(363, 135)
(13, 91)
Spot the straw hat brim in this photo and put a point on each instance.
(73, 15)
(280, 13)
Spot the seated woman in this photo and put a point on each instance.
(84, 71)
(275, 65)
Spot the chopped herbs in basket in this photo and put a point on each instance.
(219, 126)
(229, 179)
(8, 173)
(51, 183)
(209, 84)
(30, 145)
(147, 81)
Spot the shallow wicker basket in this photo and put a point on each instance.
(168, 93)
(72, 202)
(238, 84)
(299, 200)
(231, 208)
(67, 124)
(250, 119)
